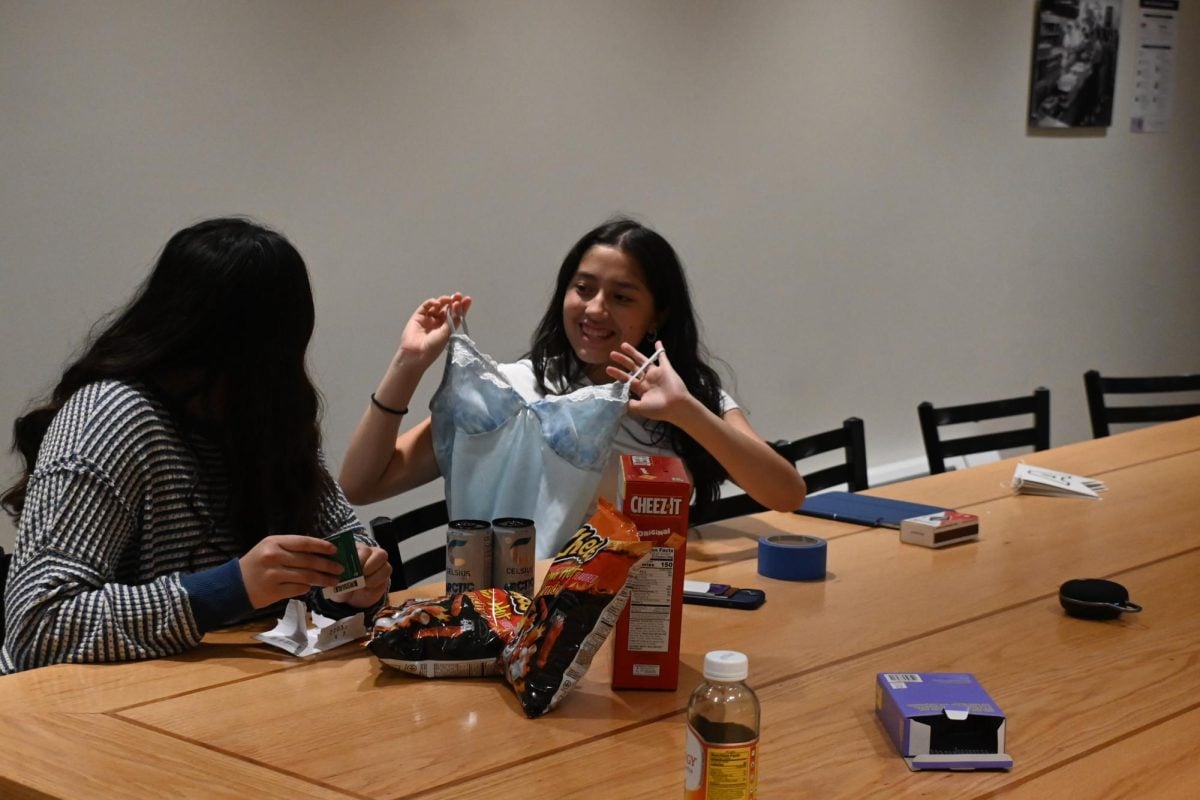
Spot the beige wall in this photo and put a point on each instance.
(866, 220)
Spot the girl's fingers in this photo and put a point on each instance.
(373, 559)
(316, 564)
(299, 543)
(623, 360)
(633, 352)
(287, 576)
(617, 373)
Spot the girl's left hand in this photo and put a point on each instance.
(427, 331)
(659, 393)
(378, 573)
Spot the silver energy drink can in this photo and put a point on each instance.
(512, 560)
(468, 555)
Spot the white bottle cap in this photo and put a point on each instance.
(726, 665)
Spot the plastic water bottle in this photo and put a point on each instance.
(722, 733)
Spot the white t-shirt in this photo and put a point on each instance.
(634, 436)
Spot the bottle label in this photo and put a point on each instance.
(720, 771)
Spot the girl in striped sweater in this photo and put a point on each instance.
(173, 482)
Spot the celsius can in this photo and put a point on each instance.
(513, 554)
(468, 555)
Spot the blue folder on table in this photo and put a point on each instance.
(864, 509)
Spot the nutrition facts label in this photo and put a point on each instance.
(650, 603)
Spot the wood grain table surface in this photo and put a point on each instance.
(1095, 709)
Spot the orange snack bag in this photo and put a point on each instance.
(581, 597)
(458, 635)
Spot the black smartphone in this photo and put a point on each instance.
(720, 594)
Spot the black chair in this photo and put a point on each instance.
(1104, 415)
(391, 531)
(849, 438)
(937, 449)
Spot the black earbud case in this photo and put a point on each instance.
(1094, 598)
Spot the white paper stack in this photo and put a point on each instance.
(1038, 480)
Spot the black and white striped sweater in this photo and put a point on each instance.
(121, 551)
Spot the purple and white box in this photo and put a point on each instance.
(941, 720)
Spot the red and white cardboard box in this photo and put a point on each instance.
(940, 529)
(654, 492)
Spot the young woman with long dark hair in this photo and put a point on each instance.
(173, 480)
(621, 294)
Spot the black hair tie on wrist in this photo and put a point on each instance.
(399, 412)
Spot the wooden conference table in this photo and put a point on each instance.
(1095, 709)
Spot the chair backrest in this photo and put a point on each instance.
(1103, 415)
(937, 449)
(852, 471)
(391, 531)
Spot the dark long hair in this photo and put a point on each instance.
(223, 320)
(552, 354)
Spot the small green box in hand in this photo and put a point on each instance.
(346, 555)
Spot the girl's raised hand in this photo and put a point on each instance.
(428, 329)
(659, 393)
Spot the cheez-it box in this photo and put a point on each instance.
(654, 492)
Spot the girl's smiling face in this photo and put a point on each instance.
(607, 303)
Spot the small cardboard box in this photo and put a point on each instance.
(940, 529)
(941, 720)
(654, 492)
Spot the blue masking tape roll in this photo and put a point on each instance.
(792, 558)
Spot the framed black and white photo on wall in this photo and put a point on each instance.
(1074, 63)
